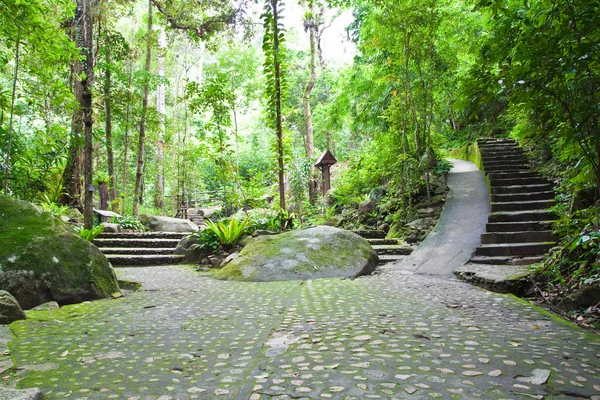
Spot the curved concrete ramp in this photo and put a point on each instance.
(460, 226)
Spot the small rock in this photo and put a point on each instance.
(538, 377)
(10, 310)
(112, 228)
(229, 259)
(25, 394)
(216, 261)
(51, 305)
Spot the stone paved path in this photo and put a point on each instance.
(394, 335)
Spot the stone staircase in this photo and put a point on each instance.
(519, 225)
(147, 248)
(388, 250)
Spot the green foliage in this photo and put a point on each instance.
(229, 232)
(576, 261)
(56, 210)
(209, 239)
(542, 58)
(90, 234)
(129, 222)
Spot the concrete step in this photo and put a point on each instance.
(503, 260)
(505, 168)
(499, 148)
(496, 140)
(392, 250)
(136, 251)
(519, 226)
(522, 205)
(143, 235)
(533, 196)
(390, 258)
(121, 260)
(514, 249)
(522, 173)
(517, 237)
(381, 242)
(519, 189)
(499, 166)
(137, 243)
(514, 159)
(371, 234)
(521, 216)
(536, 180)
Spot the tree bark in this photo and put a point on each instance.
(159, 188)
(278, 110)
(84, 39)
(12, 111)
(140, 154)
(312, 25)
(112, 194)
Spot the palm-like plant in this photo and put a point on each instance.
(229, 232)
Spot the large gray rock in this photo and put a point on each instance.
(185, 243)
(313, 253)
(42, 259)
(156, 223)
(10, 310)
(21, 394)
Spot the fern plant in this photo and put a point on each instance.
(90, 234)
(229, 232)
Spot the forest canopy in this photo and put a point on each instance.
(173, 101)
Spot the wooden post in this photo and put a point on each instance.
(325, 162)
(103, 199)
(326, 179)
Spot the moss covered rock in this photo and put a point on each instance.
(320, 252)
(41, 259)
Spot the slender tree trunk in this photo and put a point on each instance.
(140, 154)
(12, 110)
(278, 111)
(126, 138)
(312, 25)
(159, 188)
(112, 191)
(85, 37)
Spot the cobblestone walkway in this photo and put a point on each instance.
(394, 335)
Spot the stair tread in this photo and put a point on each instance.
(525, 202)
(145, 255)
(137, 248)
(530, 244)
(504, 260)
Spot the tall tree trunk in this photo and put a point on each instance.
(112, 191)
(278, 110)
(85, 37)
(140, 154)
(126, 138)
(159, 188)
(72, 190)
(12, 110)
(312, 25)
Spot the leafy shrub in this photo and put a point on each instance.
(54, 209)
(208, 238)
(576, 261)
(129, 222)
(90, 234)
(228, 232)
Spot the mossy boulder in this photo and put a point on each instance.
(42, 259)
(313, 253)
(156, 223)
